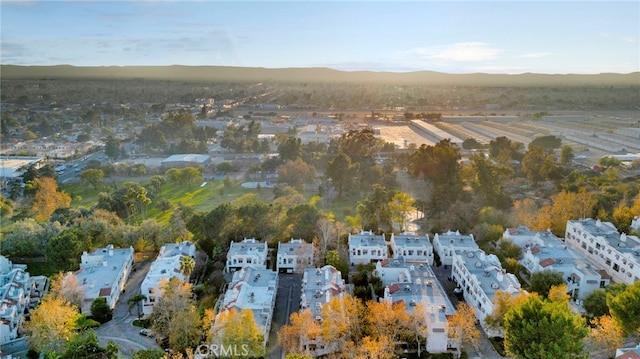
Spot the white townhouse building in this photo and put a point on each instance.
(366, 247)
(254, 289)
(635, 223)
(412, 247)
(165, 267)
(294, 256)
(15, 297)
(249, 252)
(480, 276)
(415, 284)
(445, 244)
(618, 253)
(319, 287)
(103, 273)
(542, 250)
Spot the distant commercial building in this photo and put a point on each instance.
(319, 287)
(248, 253)
(186, 160)
(445, 244)
(412, 247)
(254, 289)
(618, 253)
(480, 276)
(366, 247)
(103, 273)
(294, 256)
(12, 167)
(166, 266)
(415, 284)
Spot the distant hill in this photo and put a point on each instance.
(301, 75)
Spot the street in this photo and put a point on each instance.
(287, 302)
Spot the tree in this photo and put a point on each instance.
(47, 198)
(290, 149)
(302, 329)
(566, 155)
(52, 325)
(112, 148)
(542, 281)
(296, 173)
(66, 286)
(502, 303)
(92, 177)
(400, 206)
(100, 310)
(558, 293)
(605, 335)
(156, 182)
(340, 171)
(64, 249)
(327, 234)
(542, 329)
(6, 207)
(625, 308)
(595, 304)
(238, 330)
(85, 345)
(462, 326)
(136, 300)
(186, 265)
(342, 320)
(176, 298)
(149, 354)
(185, 330)
(378, 347)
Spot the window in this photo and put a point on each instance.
(616, 267)
(152, 290)
(152, 299)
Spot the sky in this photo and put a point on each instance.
(510, 37)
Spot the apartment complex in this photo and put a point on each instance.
(166, 266)
(480, 276)
(15, 298)
(445, 244)
(415, 284)
(319, 287)
(617, 253)
(542, 250)
(294, 256)
(366, 247)
(254, 289)
(248, 252)
(412, 247)
(103, 273)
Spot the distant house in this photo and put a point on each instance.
(366, 247)
(248, 253)
(618, 253)
(186, 160)
(254, 289)
(294, 256)
(416, 284)
(412, 247)
(445, 244)
(319, 287)
(103, 273)
(165, 267)
(480, 276)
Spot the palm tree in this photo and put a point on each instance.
(135, 300)
(187, 264)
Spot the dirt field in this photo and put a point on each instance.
(402, 135)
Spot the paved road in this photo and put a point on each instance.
(287, 302)
(120, 329)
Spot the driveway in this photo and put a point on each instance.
(287, 302)
(121, 329)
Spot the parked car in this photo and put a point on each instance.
(146, 332)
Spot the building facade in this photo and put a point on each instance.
(617, 253)
(294, 256)
(15, 298)
(103, 273)
(445, 244)
(415, 284)
(366, 247)
(412, 248)
(166, 266)
(249, 252)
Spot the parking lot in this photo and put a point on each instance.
(287, 302)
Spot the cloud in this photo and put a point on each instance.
(461, 52)
(536, 55)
